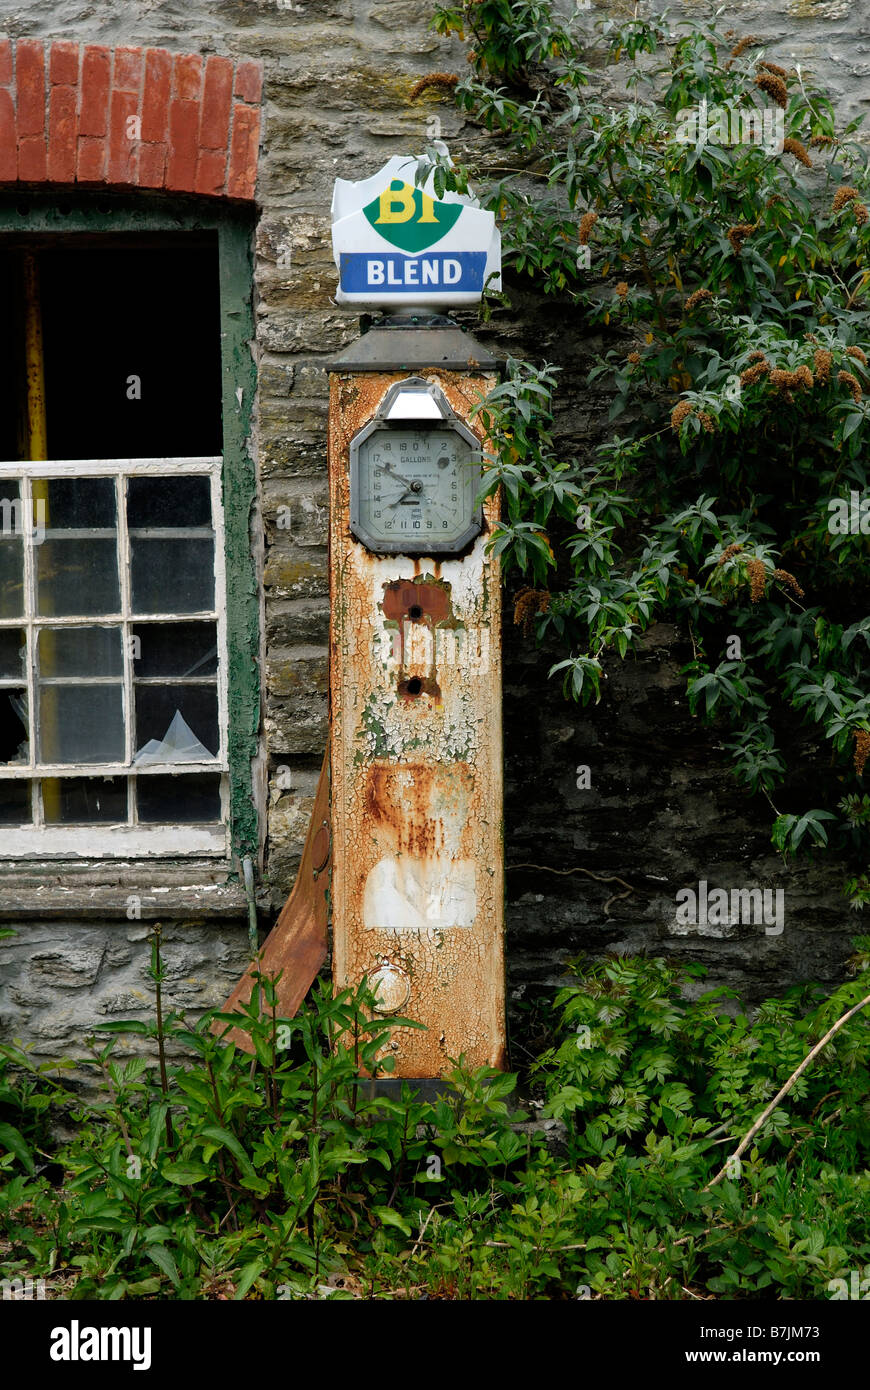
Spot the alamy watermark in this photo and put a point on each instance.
(16, 520)
(26, 1289)
(729, 125)
(77, 1343)
(849, 517)
(723, 907)
(420, 646)
(855, 1288)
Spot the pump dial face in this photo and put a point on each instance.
(413, 487)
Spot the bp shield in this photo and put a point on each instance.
(396, 244)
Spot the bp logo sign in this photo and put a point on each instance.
(409, 218)
(396, 242)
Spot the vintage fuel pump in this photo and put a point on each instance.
(415, 758)
(415, 693)
(415, 671)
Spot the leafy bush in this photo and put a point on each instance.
(282, 1176)
(729, 278)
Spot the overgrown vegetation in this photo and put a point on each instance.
(280, 1176)
(729, 276)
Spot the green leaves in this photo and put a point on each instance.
(160, 1256)
(13, 1142)
(524, 544)
(221, 1138)
(790, 831)
(582, 679)
(388, 1217)
(186, 1173)
(733, 311)
(730, 684)
(757, 761)
(311, 1189)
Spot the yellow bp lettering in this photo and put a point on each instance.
(428, 212)
(396, 204)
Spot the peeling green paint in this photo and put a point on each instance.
(373, 731)
(239, 493)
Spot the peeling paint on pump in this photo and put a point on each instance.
(415, 696)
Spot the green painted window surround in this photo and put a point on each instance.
(36, 213)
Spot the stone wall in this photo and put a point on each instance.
(589, 869)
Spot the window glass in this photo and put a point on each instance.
(183, 799)
(172, 576)
(84, 800)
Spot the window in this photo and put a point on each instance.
(113, 605)
(111, 624)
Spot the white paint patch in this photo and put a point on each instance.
(412, 895)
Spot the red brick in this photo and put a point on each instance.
(127, 76)
(122, 149)
(211, 171)
(30, 74)
(155, 98)
(5, 62)
(63, 64)
(8, 141)
(94, 115)
(31, 158)
(187, 76)
(152, 165)
(62, 135)
(243, 155)
(249, 81)
(91, 161)
(217, 99)
(183, 132)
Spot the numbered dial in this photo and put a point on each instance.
(413, 488)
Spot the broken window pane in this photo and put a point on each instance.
(178, 745)
(180, 799)
(159, 502)
(80, 651)
(175, 649)
(172, 576)
(158, 705)
(81, 723)
(83, 702)
(77, 576)
(84, 800)
(13, 652)
(14, 802)
(14, 736)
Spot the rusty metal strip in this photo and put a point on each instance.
(296, 947)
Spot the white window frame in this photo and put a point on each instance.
(108, 840)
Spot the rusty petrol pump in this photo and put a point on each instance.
(415, 668)
(415, 698)
(412, 782)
